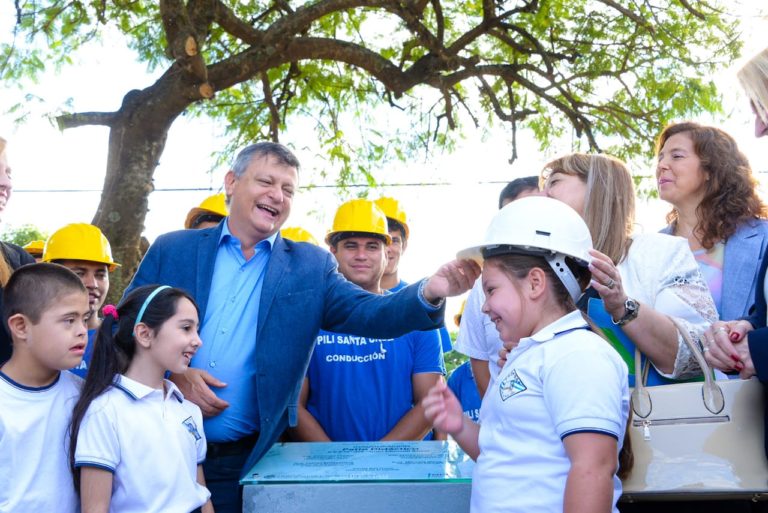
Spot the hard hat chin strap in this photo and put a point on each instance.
(557, 263)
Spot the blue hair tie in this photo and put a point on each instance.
(149, 299)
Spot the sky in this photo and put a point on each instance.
(449, 211)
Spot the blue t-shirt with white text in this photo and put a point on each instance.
(462, 384)
(359, 388)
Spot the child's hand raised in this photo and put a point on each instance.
(443, 410)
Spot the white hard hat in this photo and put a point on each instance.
(538, 226)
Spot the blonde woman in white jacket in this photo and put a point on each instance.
(643, 280)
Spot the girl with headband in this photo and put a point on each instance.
(137, 444)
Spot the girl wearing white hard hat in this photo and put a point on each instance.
(553, 422)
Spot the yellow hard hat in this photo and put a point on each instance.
(79, 241)
(35, 248)
(215, 204)
(391, 208)
(298, 234)
(360, 216)
(457, 317)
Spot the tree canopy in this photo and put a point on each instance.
(22, 235)
(613, 71)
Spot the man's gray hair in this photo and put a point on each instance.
(281, 153)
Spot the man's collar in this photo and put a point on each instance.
(138, 391)
(226, 234)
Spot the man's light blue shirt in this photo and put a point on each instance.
(228, 334)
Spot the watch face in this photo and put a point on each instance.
(631, 308)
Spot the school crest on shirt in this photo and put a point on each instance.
(189, 423)
(511, 385)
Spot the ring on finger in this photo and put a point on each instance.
(610, 283)
(721, 329)
(706, 349)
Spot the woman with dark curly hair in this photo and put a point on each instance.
(715, 205)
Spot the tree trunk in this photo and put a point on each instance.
(137, 137)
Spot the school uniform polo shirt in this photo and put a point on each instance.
(562, 380)
(151, 441)
(34, 446)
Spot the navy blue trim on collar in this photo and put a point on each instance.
(26, 388)
(130, 394)
(558, 333)
(174, 391)
(177, 395)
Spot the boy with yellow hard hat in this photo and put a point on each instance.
(84, 250)
(366, 388)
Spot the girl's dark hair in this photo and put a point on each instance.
(114, 347)
(518, 266)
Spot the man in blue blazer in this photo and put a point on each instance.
(262, 301)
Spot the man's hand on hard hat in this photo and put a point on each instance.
(451, 279)
(196, 385)
(726, 348)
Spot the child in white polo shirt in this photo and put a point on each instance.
(137, 444)
(553, 421)
(45, 307)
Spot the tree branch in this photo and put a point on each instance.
(246, 64)
(440, 20)
(630, 14)
(693, 11)
(201, 14)
(274, 114)
(234, 26)
(302, 19)
(513, 115)
(175, 25)
(182, 40)
(79, 119)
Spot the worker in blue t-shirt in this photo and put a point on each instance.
(397, 225)
(359, 388)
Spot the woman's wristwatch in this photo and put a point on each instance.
(631, 309)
